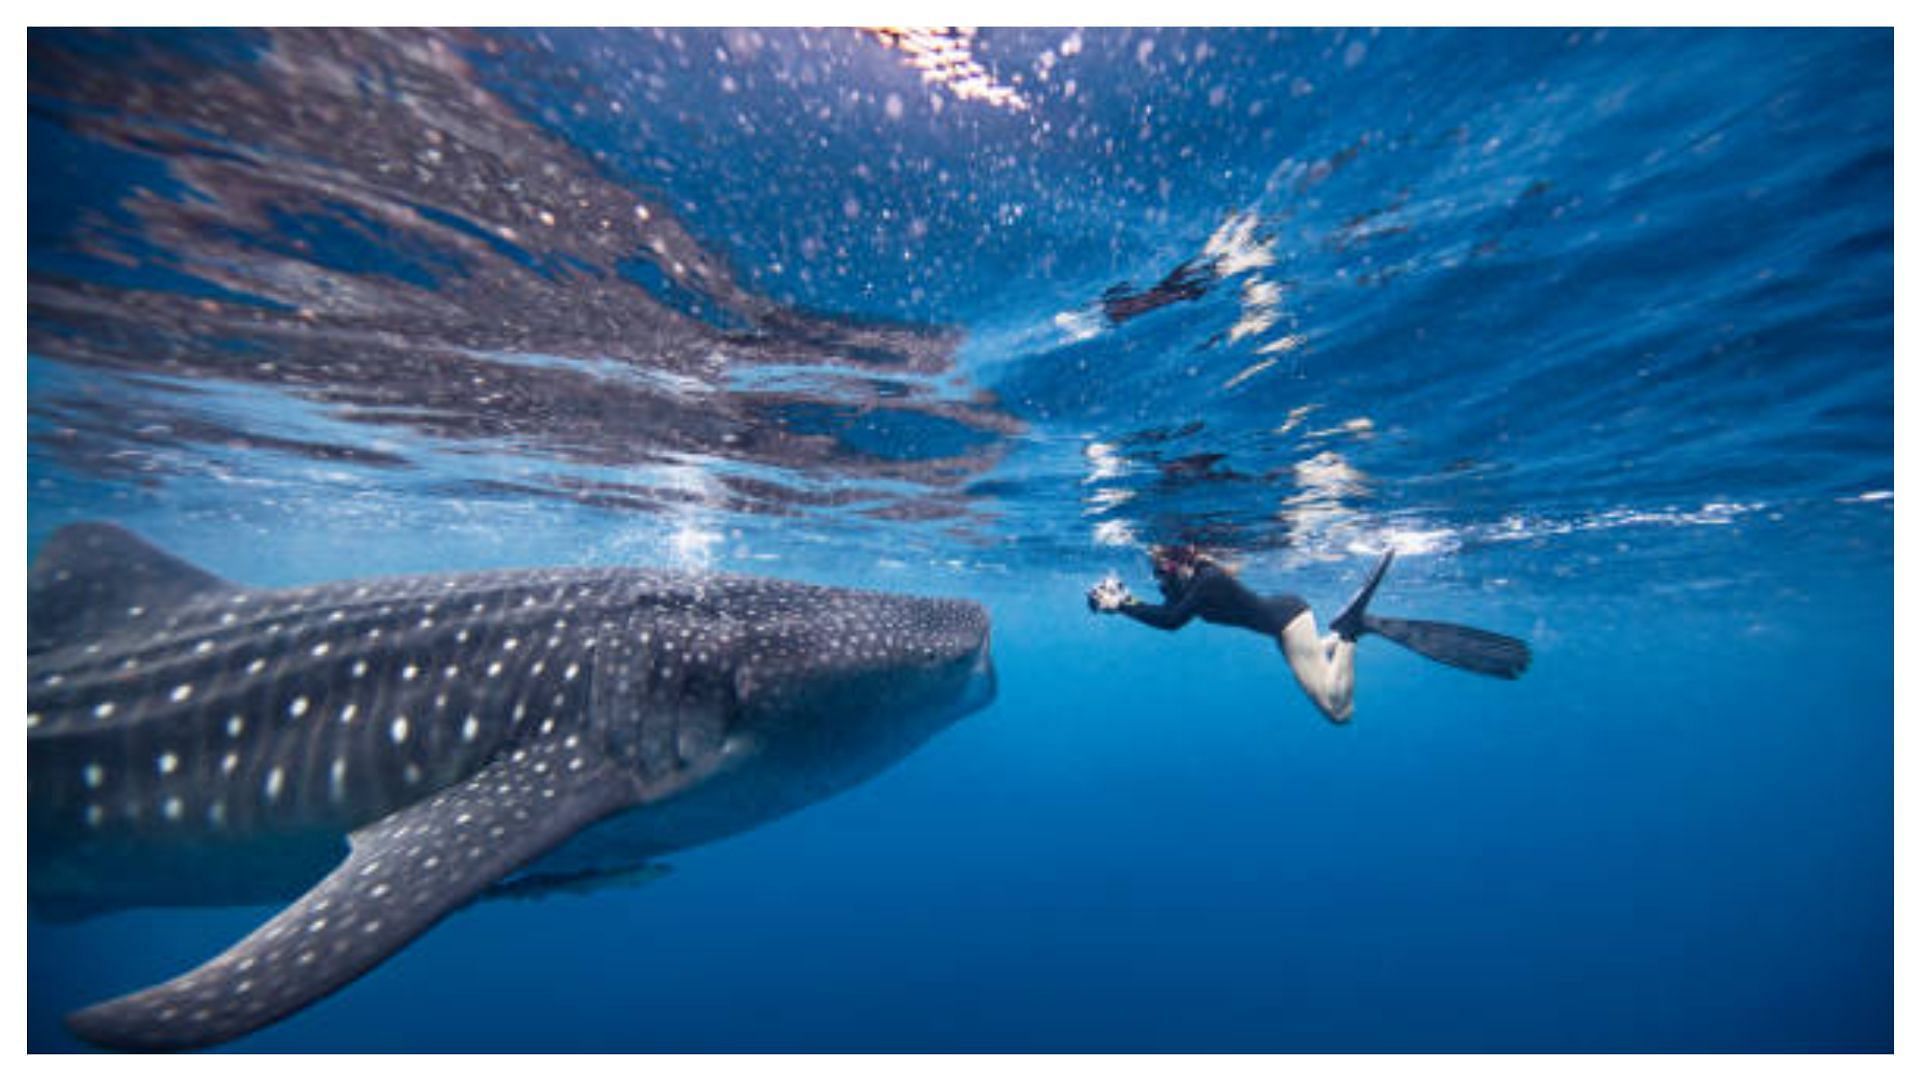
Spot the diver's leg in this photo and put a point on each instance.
(1322, 665)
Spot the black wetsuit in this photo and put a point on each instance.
(1217, 597)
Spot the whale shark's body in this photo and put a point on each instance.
(195, 742)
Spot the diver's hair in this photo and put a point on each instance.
(1231, 566)
(1192, 553)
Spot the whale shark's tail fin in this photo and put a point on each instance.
(93, 578)
(1470, 648)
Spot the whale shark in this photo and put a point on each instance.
(379, 753)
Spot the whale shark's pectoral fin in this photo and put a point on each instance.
(404, 872)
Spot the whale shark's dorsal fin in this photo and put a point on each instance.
(89, 578)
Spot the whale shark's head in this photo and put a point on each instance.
(856, 680)
(785, 693)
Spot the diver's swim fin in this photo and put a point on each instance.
(1470, 648)
(1351, 622)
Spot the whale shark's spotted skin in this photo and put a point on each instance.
(196, 742)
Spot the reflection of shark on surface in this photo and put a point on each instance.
(194, 742)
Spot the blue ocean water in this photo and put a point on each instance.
(1593, 327)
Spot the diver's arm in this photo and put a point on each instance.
(1211, 591)
(1166, 617)
(1177, 612)
(1112, 596)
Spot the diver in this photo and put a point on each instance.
(1196, 584)
(1188, 281)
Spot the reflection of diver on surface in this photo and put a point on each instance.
(1188, 281)
(1194, 584)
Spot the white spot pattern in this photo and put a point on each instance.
(738, 626)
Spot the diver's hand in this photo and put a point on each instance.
(1108, 596)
